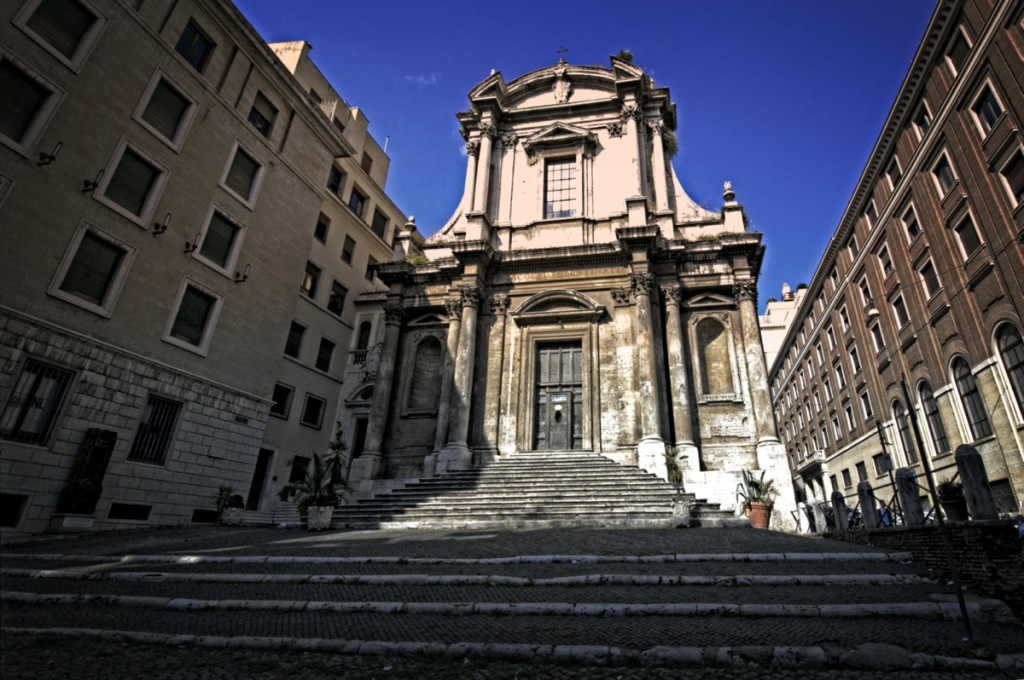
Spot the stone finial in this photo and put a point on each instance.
(728, 195)
(410, 224)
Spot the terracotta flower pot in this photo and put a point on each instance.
(760, 514)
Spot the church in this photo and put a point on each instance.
(578, 299)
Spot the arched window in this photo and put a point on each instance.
(715, 364)
(906, 436)
(970, 398)
(426, 374)
(1011, 351)
(363, 341)
(931, 415)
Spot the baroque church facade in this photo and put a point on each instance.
(577, 299)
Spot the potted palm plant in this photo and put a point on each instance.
(320, 491)
(952, 500)
(229, 505)
(757, 497)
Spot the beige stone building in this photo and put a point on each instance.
(779, 314)
(162, 191)
(577, 299)
(923, 279)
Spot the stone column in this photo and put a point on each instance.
(483, 167)
(657, 128)
(632, 114)
(454, 310)
(457, 454)
(469, 192)
(651, 450)
(757, 375)
(686, 454)
(496, 352)
(370, 464)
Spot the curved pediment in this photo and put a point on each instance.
(558, 306)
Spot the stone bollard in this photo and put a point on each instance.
(840, 512)
(820, 524)
(910, 497)
(980, 502)
(866, 495)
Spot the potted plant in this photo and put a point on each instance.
(229, 505)
(952, 500)
(757, 497)
(320, 491)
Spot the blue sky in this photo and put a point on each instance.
(784, 98)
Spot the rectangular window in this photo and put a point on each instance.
(832, 478)
(855, 359)
(820, 353)
(870, 214)
(219, 241)
(899, 308)
(911, 225)
(282, 398)
(380, 223)
(817, 401)
(837, 431)
(862, 472)
(325, 355)
(195, 46)
(132, 182)
(262, 114)
(929, 279)
(313, 411)
(371, 267)
(32, 408)
(63, 26)
(844, 318)
(1013, 177)
(879, 460)
(957, 51)
(22, 100)
(877, 338)
(310, 280)
(922, 121)
(336, 302)
(348, 250)
(155, 429)
(335, 180)
(192, 321)
(242, 175)
(885, 261)
(93, 273)
(865, 290)
(366, 163)
(323, 224)
(827, 384)
(840, 375)
(357, 202)
(851, 422)
(166, 110)
(944, 176)
(847, 478)
(560, 188)
(893, 172)
(865, 404)
(987, 110)
(830, 334)
(967, 234)
(293, 344)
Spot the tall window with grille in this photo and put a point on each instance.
(970, 398)
(560, 188)
(906, 436)
(156, 427)
(934, 421)
(1011, 351)
(32, 408)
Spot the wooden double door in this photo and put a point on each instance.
(559, 396)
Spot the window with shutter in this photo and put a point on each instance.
(219, 240)
(22, 99)
(131, 183)
(62, 24)
(242, 175)
(194, 312)
(93, 269)
(165, 110)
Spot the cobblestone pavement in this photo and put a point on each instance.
(407, 557)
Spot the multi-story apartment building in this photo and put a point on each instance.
(923, 279)
(353, 232)
(162, 205)
(779, 314)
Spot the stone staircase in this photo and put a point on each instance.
(285, 516)
(537, 489)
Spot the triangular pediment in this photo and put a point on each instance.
(559, 135)
(707, 300)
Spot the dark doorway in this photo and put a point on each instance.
(559, 396)
(259, 476)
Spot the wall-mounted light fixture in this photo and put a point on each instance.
(47, 158)
(161, 227)
(90, 185)
(191, 246)
(243, 277)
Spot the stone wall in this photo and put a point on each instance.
(987, 555)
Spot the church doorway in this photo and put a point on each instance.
(559, 396)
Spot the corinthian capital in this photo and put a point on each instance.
(745, 290)
(509, 139)
(394, 312)
(470, 295)
(631, 110)
(656, 126)
(472, 148)
(641, 284)
(499, 304)
(453, 308)
(673, 293)
(488, 130)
